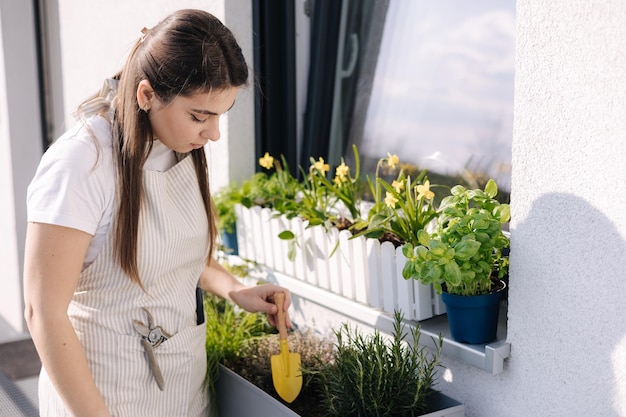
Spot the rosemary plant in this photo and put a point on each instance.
(375, 376)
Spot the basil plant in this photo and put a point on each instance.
(464, 253)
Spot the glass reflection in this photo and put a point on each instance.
(442, 94)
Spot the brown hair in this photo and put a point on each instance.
(188, 52)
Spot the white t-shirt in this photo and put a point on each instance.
(74, 185)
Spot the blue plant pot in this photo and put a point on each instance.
(473, 319)
(229, 240)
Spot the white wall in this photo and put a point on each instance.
(569, 206)
(95, 38)
(20, 148)
(566, 307)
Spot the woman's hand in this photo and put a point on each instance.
(260, 298)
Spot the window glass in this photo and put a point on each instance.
(442, 92)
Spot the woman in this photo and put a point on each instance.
(121, 231)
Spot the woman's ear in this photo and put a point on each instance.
(145, 95)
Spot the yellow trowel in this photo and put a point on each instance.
(286, 373)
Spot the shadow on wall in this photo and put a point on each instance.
(567, 317)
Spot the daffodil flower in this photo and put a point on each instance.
(267, 161)
(321, 166)
(340, 179)
(424, 191)
(390, 200)
(342, 171)
(341, 174)
(398, 186)
(392, 160)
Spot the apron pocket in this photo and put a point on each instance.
(182, 361)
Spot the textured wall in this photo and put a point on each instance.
(566, 314)
(566, 307)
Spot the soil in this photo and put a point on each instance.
(390, 237)
(345, 224)
(307, 404)
(254, 365)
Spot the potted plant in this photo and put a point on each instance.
(287, 226)
(465, 259)
(253, 367)
(265, 196)
(395, 377)
(373, 375)
(260, 190)
(225, 201)
(406, 209)
(395, 218)
(321, 226)
(240, 345)
(229, 332)
(316, 233)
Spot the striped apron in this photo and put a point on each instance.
(172, 249)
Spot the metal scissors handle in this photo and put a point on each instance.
(152, 337)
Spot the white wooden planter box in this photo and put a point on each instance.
(238, 397)
(360, 269)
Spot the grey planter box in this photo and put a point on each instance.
(239, 398)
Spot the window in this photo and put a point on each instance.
(429, 81)
(442, 95)
(434, 84)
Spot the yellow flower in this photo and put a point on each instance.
(424, 190)
(341, 174)
(267, 161)
(321, 166)
(390, 200)
(342, 171)
(392, 160)
(398, 186)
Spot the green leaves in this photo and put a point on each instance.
(460, 243)
(453, 273)
(423, 237)
(322, 197)
(502, 213)
(373, 376)
(465, 248)
(491, 189)
(229, 330)
(406, 210)
(225, 201)
(286, 235)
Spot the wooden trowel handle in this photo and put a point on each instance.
(279, 300)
